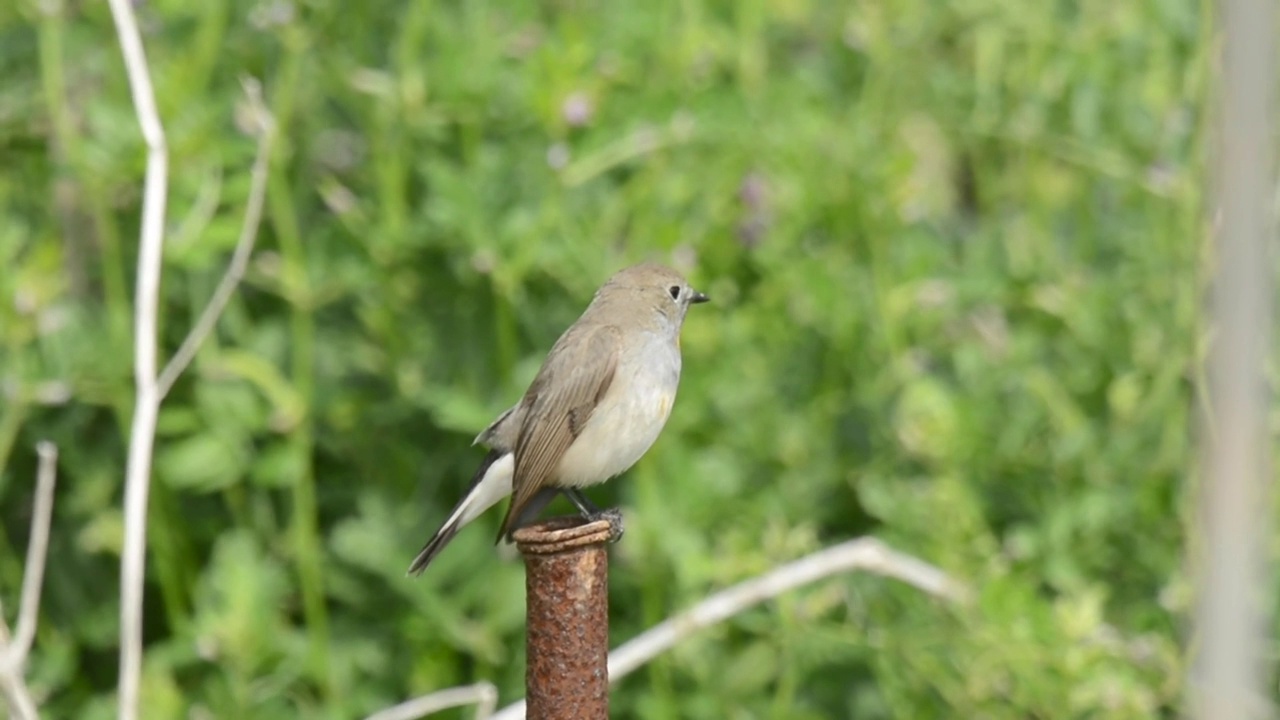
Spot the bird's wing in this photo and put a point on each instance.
(583, 368)
(497, 435)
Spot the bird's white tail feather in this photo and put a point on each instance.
(494, 485)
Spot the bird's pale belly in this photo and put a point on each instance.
(618, 433)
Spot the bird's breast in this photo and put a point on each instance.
(626, 422)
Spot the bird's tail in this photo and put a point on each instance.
(434, 546)
(491, 483)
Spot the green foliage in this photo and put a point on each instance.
(953, 255)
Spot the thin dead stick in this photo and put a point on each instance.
(146, 393)
(37, 553)
(867, 554)
(150, 387)
(13, 686)
(13, 651)
(16, 694)
(483, 695)
(244, 245)
(1231, 673)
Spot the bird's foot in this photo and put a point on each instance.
(591, 513)
(613, 516)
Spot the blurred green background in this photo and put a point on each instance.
(954, 250)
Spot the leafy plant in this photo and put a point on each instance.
(952, 252)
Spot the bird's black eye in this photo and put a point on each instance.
(675, 292)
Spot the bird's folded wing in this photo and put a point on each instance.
(561, 399)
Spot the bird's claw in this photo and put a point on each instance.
(613, 516)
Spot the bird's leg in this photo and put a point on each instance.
(585, 506)
(613, 516)
(530, 511)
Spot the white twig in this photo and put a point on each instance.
(13, 651)
(483, 695)
(867, 554)
(37, 552)
(244, 245)
(861, 554)
(150, 387)
(1230, 676)
(146, 397)
(21, 705)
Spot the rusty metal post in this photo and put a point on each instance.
(567, 606)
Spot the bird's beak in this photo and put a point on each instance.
(698, 298)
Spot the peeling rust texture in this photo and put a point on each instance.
(568, 618)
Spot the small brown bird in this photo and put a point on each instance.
(596, 406)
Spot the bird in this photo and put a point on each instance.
(596, 406)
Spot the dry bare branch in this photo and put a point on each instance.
(867, 554)
(14, 650)
(16, 694)
(146, 392)
(483, 695)
(244, 245)
(1230, 674)
(37, 553)
(151, 388)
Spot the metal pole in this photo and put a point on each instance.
(567, 580)
(1230, 673)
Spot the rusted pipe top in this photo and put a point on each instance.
(567, 610)
(564, 534)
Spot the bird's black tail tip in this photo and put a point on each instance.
(431, 549)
